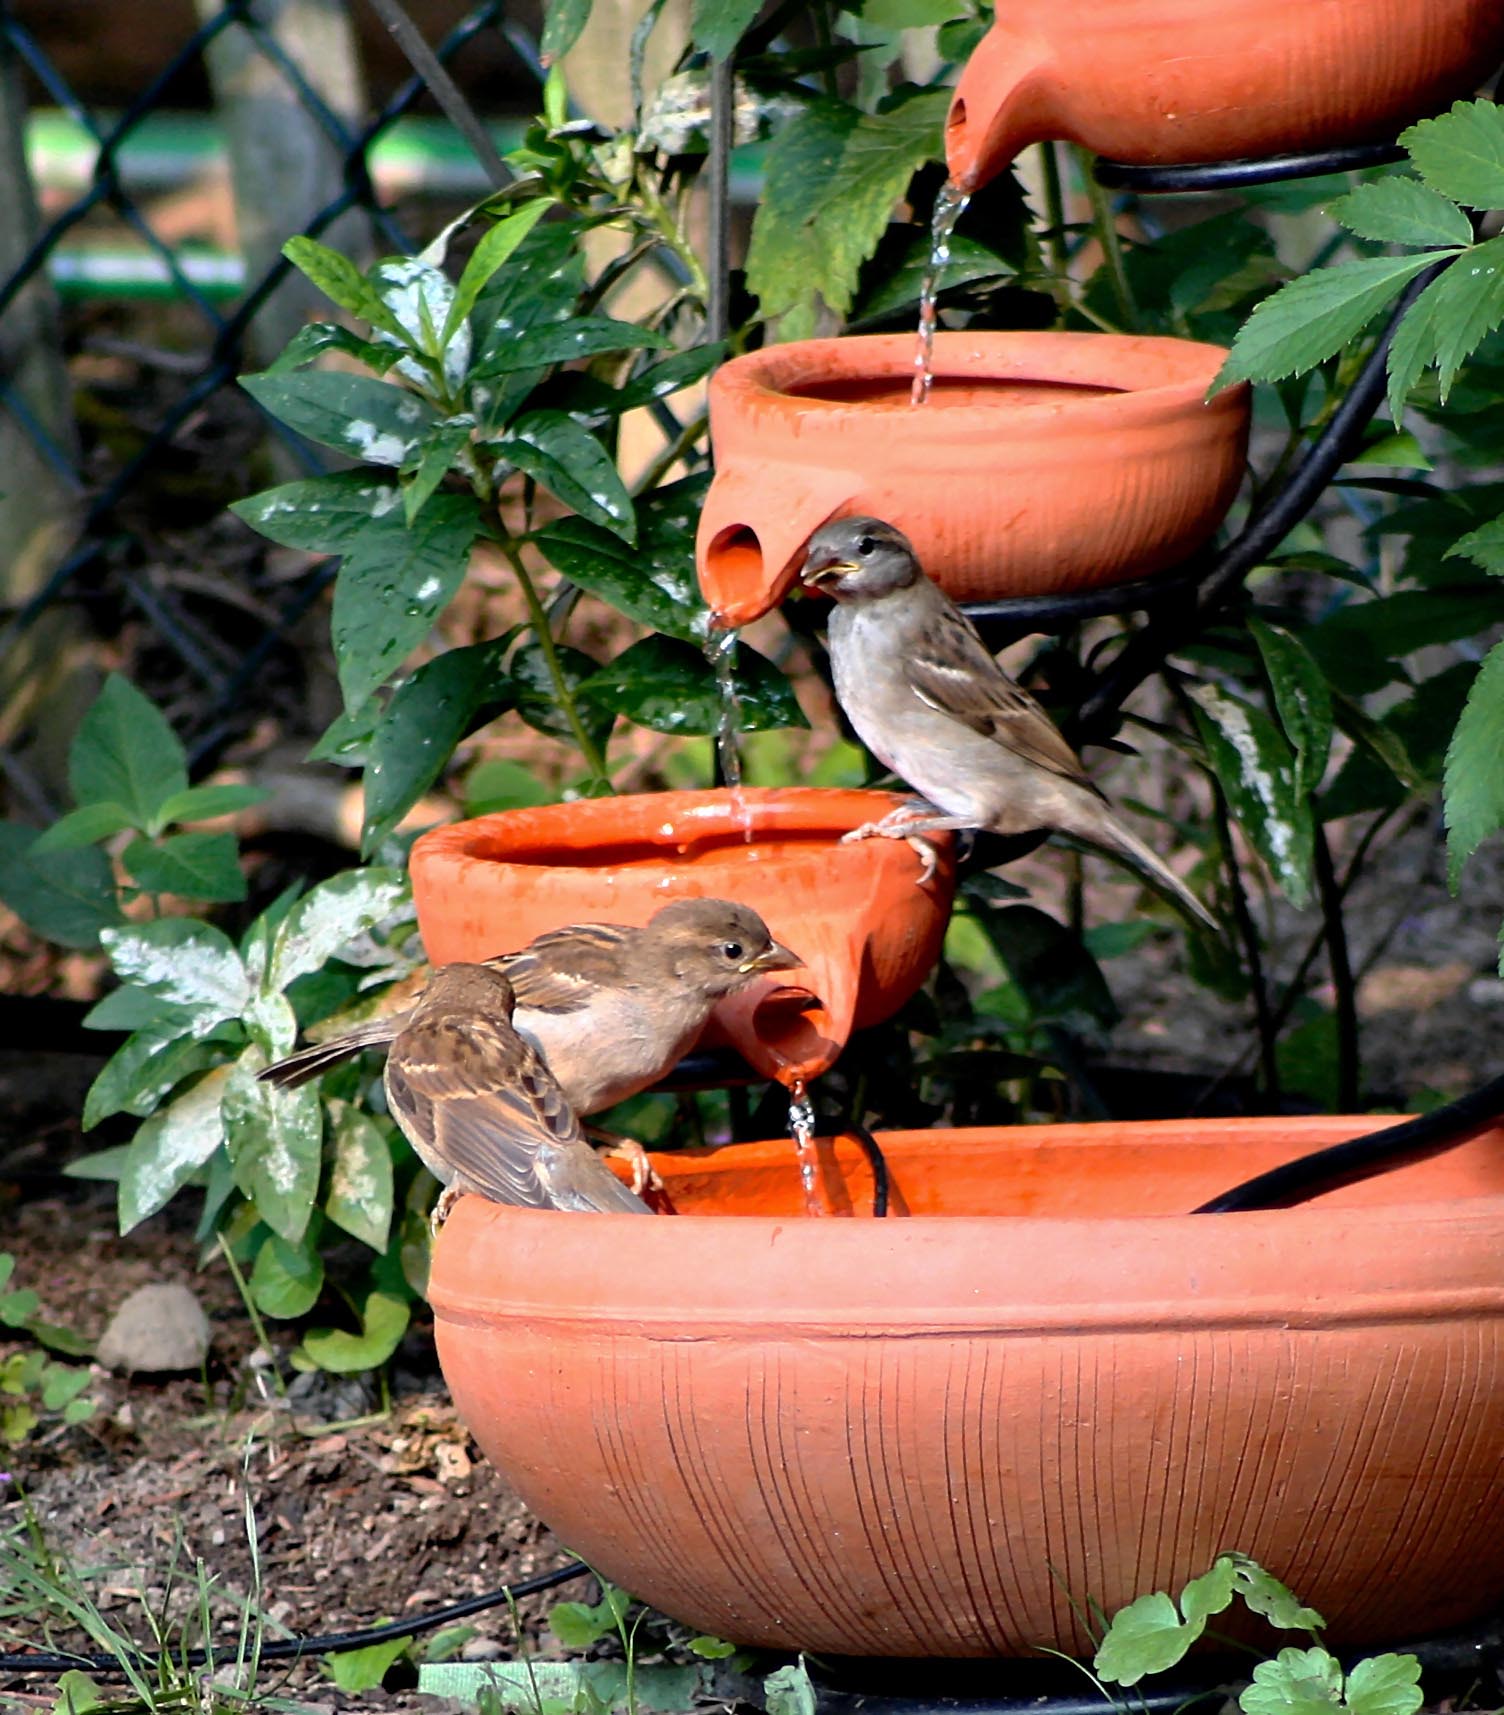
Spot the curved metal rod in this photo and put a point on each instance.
(1016, 616)
(1363, 1157)
(1240, 175)
(876, 1161)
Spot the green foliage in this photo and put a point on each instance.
(35, 1391)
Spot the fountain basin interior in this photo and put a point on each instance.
(1084, 459)
(927, 1435)
(1178, 81)
(868, 933)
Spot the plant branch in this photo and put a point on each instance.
(1053, 237)
(564, 696)
(1107, 236)
(1334, 933)
(1248, 934)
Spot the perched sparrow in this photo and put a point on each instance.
(917, 683)
(483, 1111)
(610, 1008)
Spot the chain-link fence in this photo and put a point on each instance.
(107, 512)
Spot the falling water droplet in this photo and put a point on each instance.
(950, 205)
(802, 1130)
(720, 650)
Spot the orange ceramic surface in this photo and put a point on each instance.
(1155, 81)
(1042, 461)
(927, 1436)
(857, 916)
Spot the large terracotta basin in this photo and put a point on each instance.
(868, 933)
(1080, 459)
(1042, 1382)
(1177, 81)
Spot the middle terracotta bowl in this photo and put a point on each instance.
(867, 931)
(1042, 462)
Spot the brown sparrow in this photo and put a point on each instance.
(482, 1110)
(917, 683)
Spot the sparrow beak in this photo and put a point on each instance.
(772, 958)
(824, 574)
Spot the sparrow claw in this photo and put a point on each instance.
(929, 858)
(444, 1208)
(645, 1177)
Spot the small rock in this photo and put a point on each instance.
(481, 1649)
(1486, 991)
(159, 1329)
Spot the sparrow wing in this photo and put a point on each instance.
(950, 670)
(480, 1102)
(562, 970)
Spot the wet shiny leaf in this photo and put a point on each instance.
(189, 965)
(275, 1140)
(376, 421)
(534, 690)
(572, 465)
(323, 514)
(359, 1198)
(669, 686)
(327, 918)
(562, 342)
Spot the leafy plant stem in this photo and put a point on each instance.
(1334, 933)
(1053, 237)
(1106, 230)
(671, 454)
(588, 748)
(1248, 934)
(253, 1313)
(661, 221)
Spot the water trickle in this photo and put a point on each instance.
(802, 1130)
(950, 205)
(720, 651)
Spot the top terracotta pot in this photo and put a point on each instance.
(1041, 462)
(867, 932)
(1174, 81)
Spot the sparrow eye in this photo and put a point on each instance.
(866, 546)
(733, 949)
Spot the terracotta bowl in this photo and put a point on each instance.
(1155, 81)
(1079, 459)
(868, 933)
(1042, 1382)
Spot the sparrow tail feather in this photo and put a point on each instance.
(308, 1063)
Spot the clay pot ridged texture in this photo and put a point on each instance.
(868, 932)
(1180, 81)
(926, 1436)
(1042, 462)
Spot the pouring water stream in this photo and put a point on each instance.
(950, 205)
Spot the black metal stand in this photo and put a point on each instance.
(1209, 176)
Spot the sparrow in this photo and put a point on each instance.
(484, 1113)
(927, 699)
(611, 1008)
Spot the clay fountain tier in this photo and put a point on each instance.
(1040, 463)
(1040, 1384)
(1179, 81)
(868, 932)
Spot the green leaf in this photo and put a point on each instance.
(495, 783)
(1263, 1594)
(360, 1177)
(347, 738)
(275, 1140)
(910, 14)
(1461, 153)
(1384, 1685)
(68, 897)
(654, 582)
(340, 281)
(710, 1649)
(659, 380)
(328, 917)
(1296, 1682)
(572, 465)
(562, 342)
(1469, 306)
(542, 284)
(428, 715)
(669, 686)
(1301, 699)
(169, 1149)
(789, 1691)
(494, 249)
(1313, 317)
(286, 1279)
(193, 866)
(422, 298)
(832, 179)
(438, 456)
(187, 964)
(85, 826)
(393, 585)
(383, 1322)
(1210, 1593)
(1146, 1637)
(376, 421)
(204, 803)
(1483, 546)
(1397, 625)
(1256, 770)
(126, 753)
(1401, 210)
(563, 20)
(578, 1625)
(315, 338)
(323, 514)
(1473, 784)
(144, 1069)
(1413, 347)
(77, 1694)
(365, 1669)
(533, 687)
(716, 26)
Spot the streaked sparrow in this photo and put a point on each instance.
(917, 683)
(482, 1110)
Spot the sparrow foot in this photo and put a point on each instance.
(444, 1208)
(645, 1177)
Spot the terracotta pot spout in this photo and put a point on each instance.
(752, 533)
(1002, 104)
(793, 1025)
